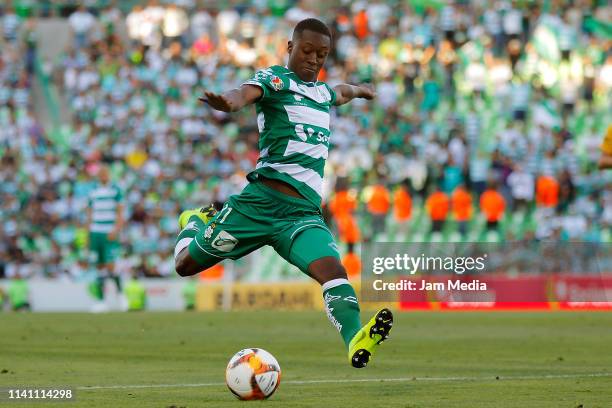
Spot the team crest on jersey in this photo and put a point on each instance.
(277, 83)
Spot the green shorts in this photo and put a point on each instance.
(101, 249)
(260, 216)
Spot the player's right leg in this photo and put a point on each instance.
(314, 251)
(206, 238)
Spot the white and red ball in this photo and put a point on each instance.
(252, 374)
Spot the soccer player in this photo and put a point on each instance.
(105, 221)
(281, 206)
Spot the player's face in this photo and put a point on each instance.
(104, 175)
(307, 54)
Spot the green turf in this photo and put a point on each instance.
(429, 353)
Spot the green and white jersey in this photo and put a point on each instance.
(293, 122)
(103, 201)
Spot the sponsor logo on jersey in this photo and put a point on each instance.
(224, 242)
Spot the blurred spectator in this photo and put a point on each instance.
(522, 187)
(352, 263)
(402, 204)
(10, 24)
(133, 22)
(438, 206)
(81, 23)
(18, 292)
(547, 192)
(190, 292)
(136, 295)
(492, 204)
(462, 208)
(378, 206)
(348, 229)
(214, 273)
(175, 23)
(468, 92)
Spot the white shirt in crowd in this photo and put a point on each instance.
(81, 21)
(476, 75)
(296, 14)
(201, 23)
(378, 14)
(133, 21)
(175, 22)
(492, 21)
(448, 18)
(10, 25)
(387, 93)
(227, 21)
(522, 185)
(458, 151)
(513, 22)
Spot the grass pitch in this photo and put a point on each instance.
(495, 359)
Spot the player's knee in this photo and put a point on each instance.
(326, 269)
(184, 265)
(339, 272)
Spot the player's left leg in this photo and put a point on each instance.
(314, 251)
(111, 254)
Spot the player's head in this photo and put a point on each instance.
(104, 174)
(308, 48)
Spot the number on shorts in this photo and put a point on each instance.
(225, 211)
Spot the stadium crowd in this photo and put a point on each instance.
(488, 118)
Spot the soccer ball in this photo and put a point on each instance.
(252, 374)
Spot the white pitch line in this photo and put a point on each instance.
(358, 380)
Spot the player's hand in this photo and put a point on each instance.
(216, 101)
(367, 91)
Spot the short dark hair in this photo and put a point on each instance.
(311, 24)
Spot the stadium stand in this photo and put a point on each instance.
(473, 93)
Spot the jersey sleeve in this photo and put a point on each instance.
(332, 102)
(118, 194)
(268, 81)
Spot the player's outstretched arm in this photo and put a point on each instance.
(234, 100)
(346, 93)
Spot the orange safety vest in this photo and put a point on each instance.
(462, 204)
(402, 205)
(360, 22)
(352, 264)
(215, 272)
(492, 204)
(343, 203)
(547, 192)
(437, 206)
(348, 230)
(379, 202)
